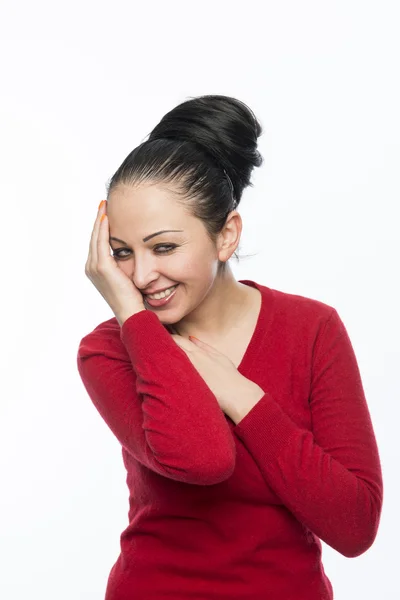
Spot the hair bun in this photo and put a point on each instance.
(226, 130)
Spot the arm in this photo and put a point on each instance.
(329, 478)
(155, 402)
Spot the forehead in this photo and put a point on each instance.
(138, 211)
(143, 197)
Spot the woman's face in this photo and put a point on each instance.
(185, 255)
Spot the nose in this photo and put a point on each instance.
(143, 274)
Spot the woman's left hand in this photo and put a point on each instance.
(217, 370)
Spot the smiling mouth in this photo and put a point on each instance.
(161, 302)
(170, 289)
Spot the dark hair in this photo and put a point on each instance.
(207, 146)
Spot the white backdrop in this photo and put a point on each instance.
(82, 85)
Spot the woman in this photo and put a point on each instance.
(246, 446)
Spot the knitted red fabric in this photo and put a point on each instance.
(237, 512)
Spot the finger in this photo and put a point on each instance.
(203, 345)
(98, 226)
(103, 246)
(181, 341)
(93, 256)
(182, 346)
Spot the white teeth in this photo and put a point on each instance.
(163, 294)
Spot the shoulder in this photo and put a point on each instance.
(297, 312)
(296, 304)
(301, 305)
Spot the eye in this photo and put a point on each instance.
(169, 248)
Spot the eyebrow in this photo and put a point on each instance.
(148, 237)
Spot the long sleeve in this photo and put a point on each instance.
(155, 402)
(329, 478)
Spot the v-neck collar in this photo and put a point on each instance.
(262, 325)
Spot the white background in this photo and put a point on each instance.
(82, 84)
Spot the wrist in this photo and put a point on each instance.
(124, 316)
(250, 395)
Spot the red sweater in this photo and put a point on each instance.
(224, 511)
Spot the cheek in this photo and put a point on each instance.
(191, 268)
(125, 267)
(199, 274)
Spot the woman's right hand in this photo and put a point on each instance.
(101, 268)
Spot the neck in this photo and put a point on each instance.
(223, 307)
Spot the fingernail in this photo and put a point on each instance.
(101, 204)
(102, 218)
